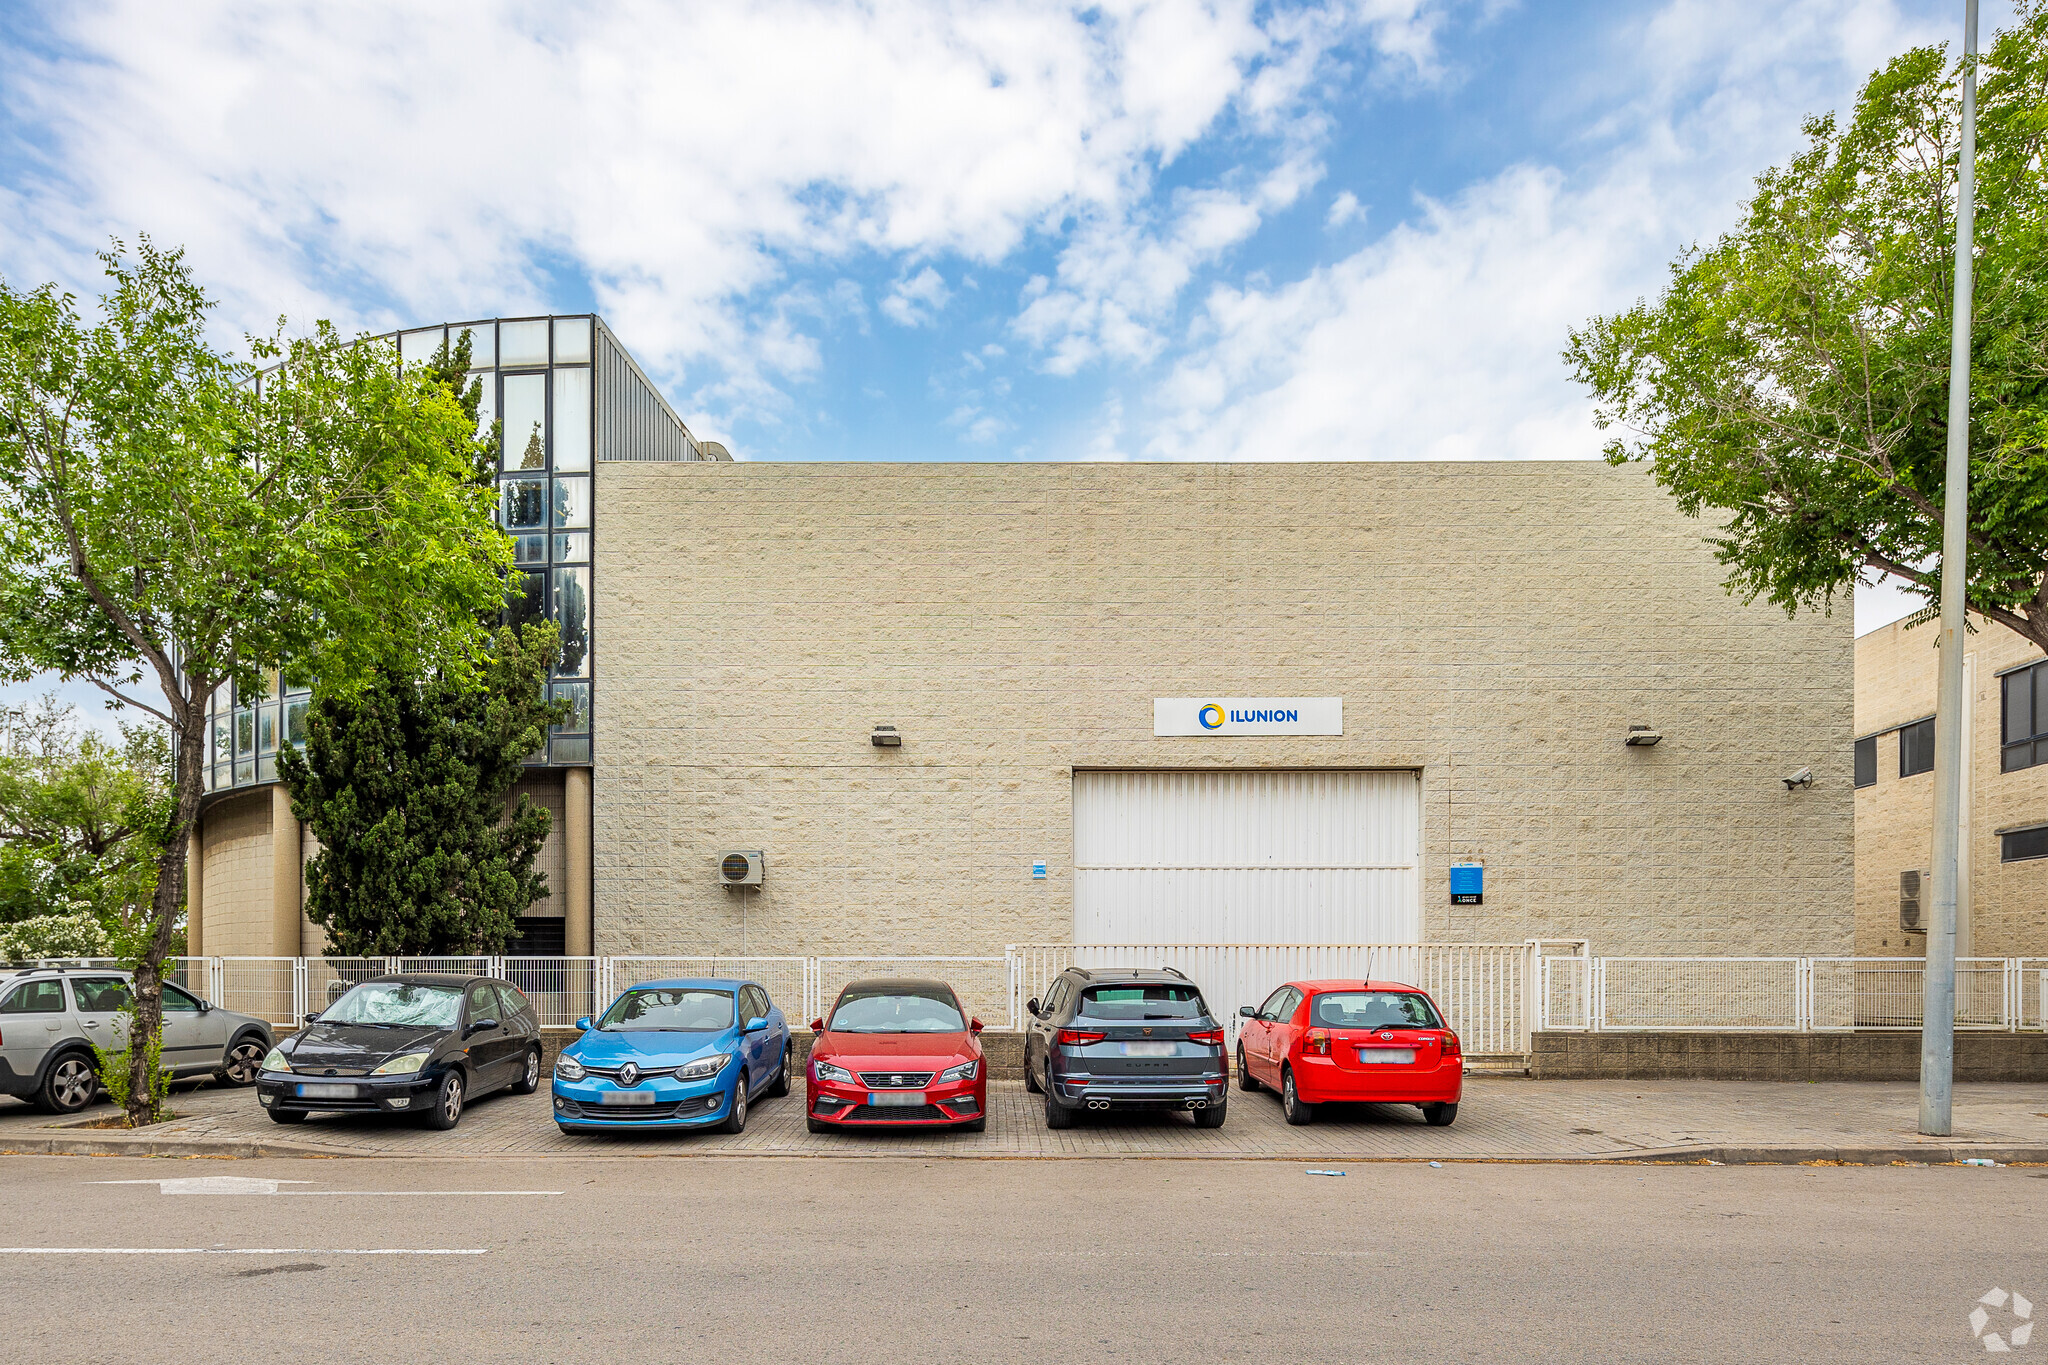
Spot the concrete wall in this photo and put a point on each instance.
(236, 892)
(1779, 1056)
(2008, 902)
(1497, 626)
(545, 788)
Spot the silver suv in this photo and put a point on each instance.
(50, 1018)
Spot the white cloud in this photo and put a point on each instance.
(1345, 208)
(1440, 340)
(917, 300)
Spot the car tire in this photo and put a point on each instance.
(529, 1079)
(780, 1086)
(1439, 1115)
(736, 1115)
(1292, 1107)
(812, 1125)
(446, 1110)
(1245, 1079)
(287, 1116)
(69, 1085)
(243, 1059)
(1031, 1085)
(1057, 1115)
(1211, 1116)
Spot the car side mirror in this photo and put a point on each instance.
(1248, 1011)
(817, 1025)
(312, 1018)
(478, 1026)
(584, 1023)
(205, 1008)
(757, 1023)
(974, 1026)
(1032, 1006)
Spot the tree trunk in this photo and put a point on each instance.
(147, 1024)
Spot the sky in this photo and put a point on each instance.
(1355, 229)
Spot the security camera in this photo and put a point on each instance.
(1802, 778)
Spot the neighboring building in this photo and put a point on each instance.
(1047, 639)
(2002, 906)
(572, 401)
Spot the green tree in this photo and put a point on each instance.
(1793, 378)
(169, 521)
(81, 818)
(404, 783)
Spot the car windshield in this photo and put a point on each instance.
(669, 1009)
(1145, 1000)
(895, 1012)
(397, 1003)
(1374, 1009)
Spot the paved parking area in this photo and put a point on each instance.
(1501, 1118)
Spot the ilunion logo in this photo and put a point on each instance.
(1211, 717)
(2018, 1332)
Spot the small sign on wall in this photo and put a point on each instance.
(1468, 883)
(1038, 871)
(1236, 716)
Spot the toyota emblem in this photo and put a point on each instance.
(1387, 1036)
(629, 1074)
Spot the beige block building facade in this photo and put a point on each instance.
(1493, 630)
(2004, 910)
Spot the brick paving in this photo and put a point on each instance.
(1501, 1118)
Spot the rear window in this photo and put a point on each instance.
(1374, 1009)
(1146, 1000)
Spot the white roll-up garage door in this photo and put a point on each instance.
(1298, 856)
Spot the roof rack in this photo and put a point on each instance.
(1176, 971)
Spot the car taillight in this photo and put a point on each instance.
(1317, 1041)
(1451, 1047)
(1074, 1037)
(1212, 1036)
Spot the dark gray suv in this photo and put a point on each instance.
(1123, 1038)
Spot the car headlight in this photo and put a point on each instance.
(966, 1071)
(275, 1060)
(567, 1068)
(402, 1066)
(825, 1071)
(703, 1068)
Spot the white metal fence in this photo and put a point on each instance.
(1494, 994)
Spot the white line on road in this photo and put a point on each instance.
(238, 1184)
(243, 1251)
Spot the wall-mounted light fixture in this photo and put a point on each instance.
(885, 737)
(1641, 737)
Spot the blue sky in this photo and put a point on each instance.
(979, 231)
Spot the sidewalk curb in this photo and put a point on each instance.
(152, 1146)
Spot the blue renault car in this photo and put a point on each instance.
(690, 1053)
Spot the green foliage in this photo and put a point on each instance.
(81, 821)
(121, 1078)
(1794, 376)
(55, 936)
(404, 783)
(166, 514)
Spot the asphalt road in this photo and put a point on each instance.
(884, 1260)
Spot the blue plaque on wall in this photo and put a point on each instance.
(1468, 883)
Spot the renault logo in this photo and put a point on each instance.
(629, 1074)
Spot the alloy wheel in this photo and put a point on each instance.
(532, 1070)
(71, 1085)
(451, 1099)
(245, 1059)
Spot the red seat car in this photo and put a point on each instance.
(1362, 1042)
(896, 1054)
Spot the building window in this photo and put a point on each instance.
(2021, 844)
(1866, 762)
(1916, 748)
(2024, 706)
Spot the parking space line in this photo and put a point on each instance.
(244, 1251)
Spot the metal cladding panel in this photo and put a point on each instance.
(1318, 856)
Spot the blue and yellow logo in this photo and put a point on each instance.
(1211, 717)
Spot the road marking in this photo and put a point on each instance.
(242, 1184)
(243, 1251)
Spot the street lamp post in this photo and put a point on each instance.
(1938, 987)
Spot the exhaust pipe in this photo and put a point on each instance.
(1098, 1104)
(1198, 1104)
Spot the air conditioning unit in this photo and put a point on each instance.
(1909, 903)
(742, 868)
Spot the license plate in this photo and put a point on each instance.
(903, 1099)
(1150, 1049)
(327, 1092)
(626, 1097)
(1390, 1056)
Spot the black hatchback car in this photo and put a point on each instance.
(1125, 1039)
(412, 1044)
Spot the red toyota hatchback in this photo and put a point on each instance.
(1359, 1042)
(896, 1054)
